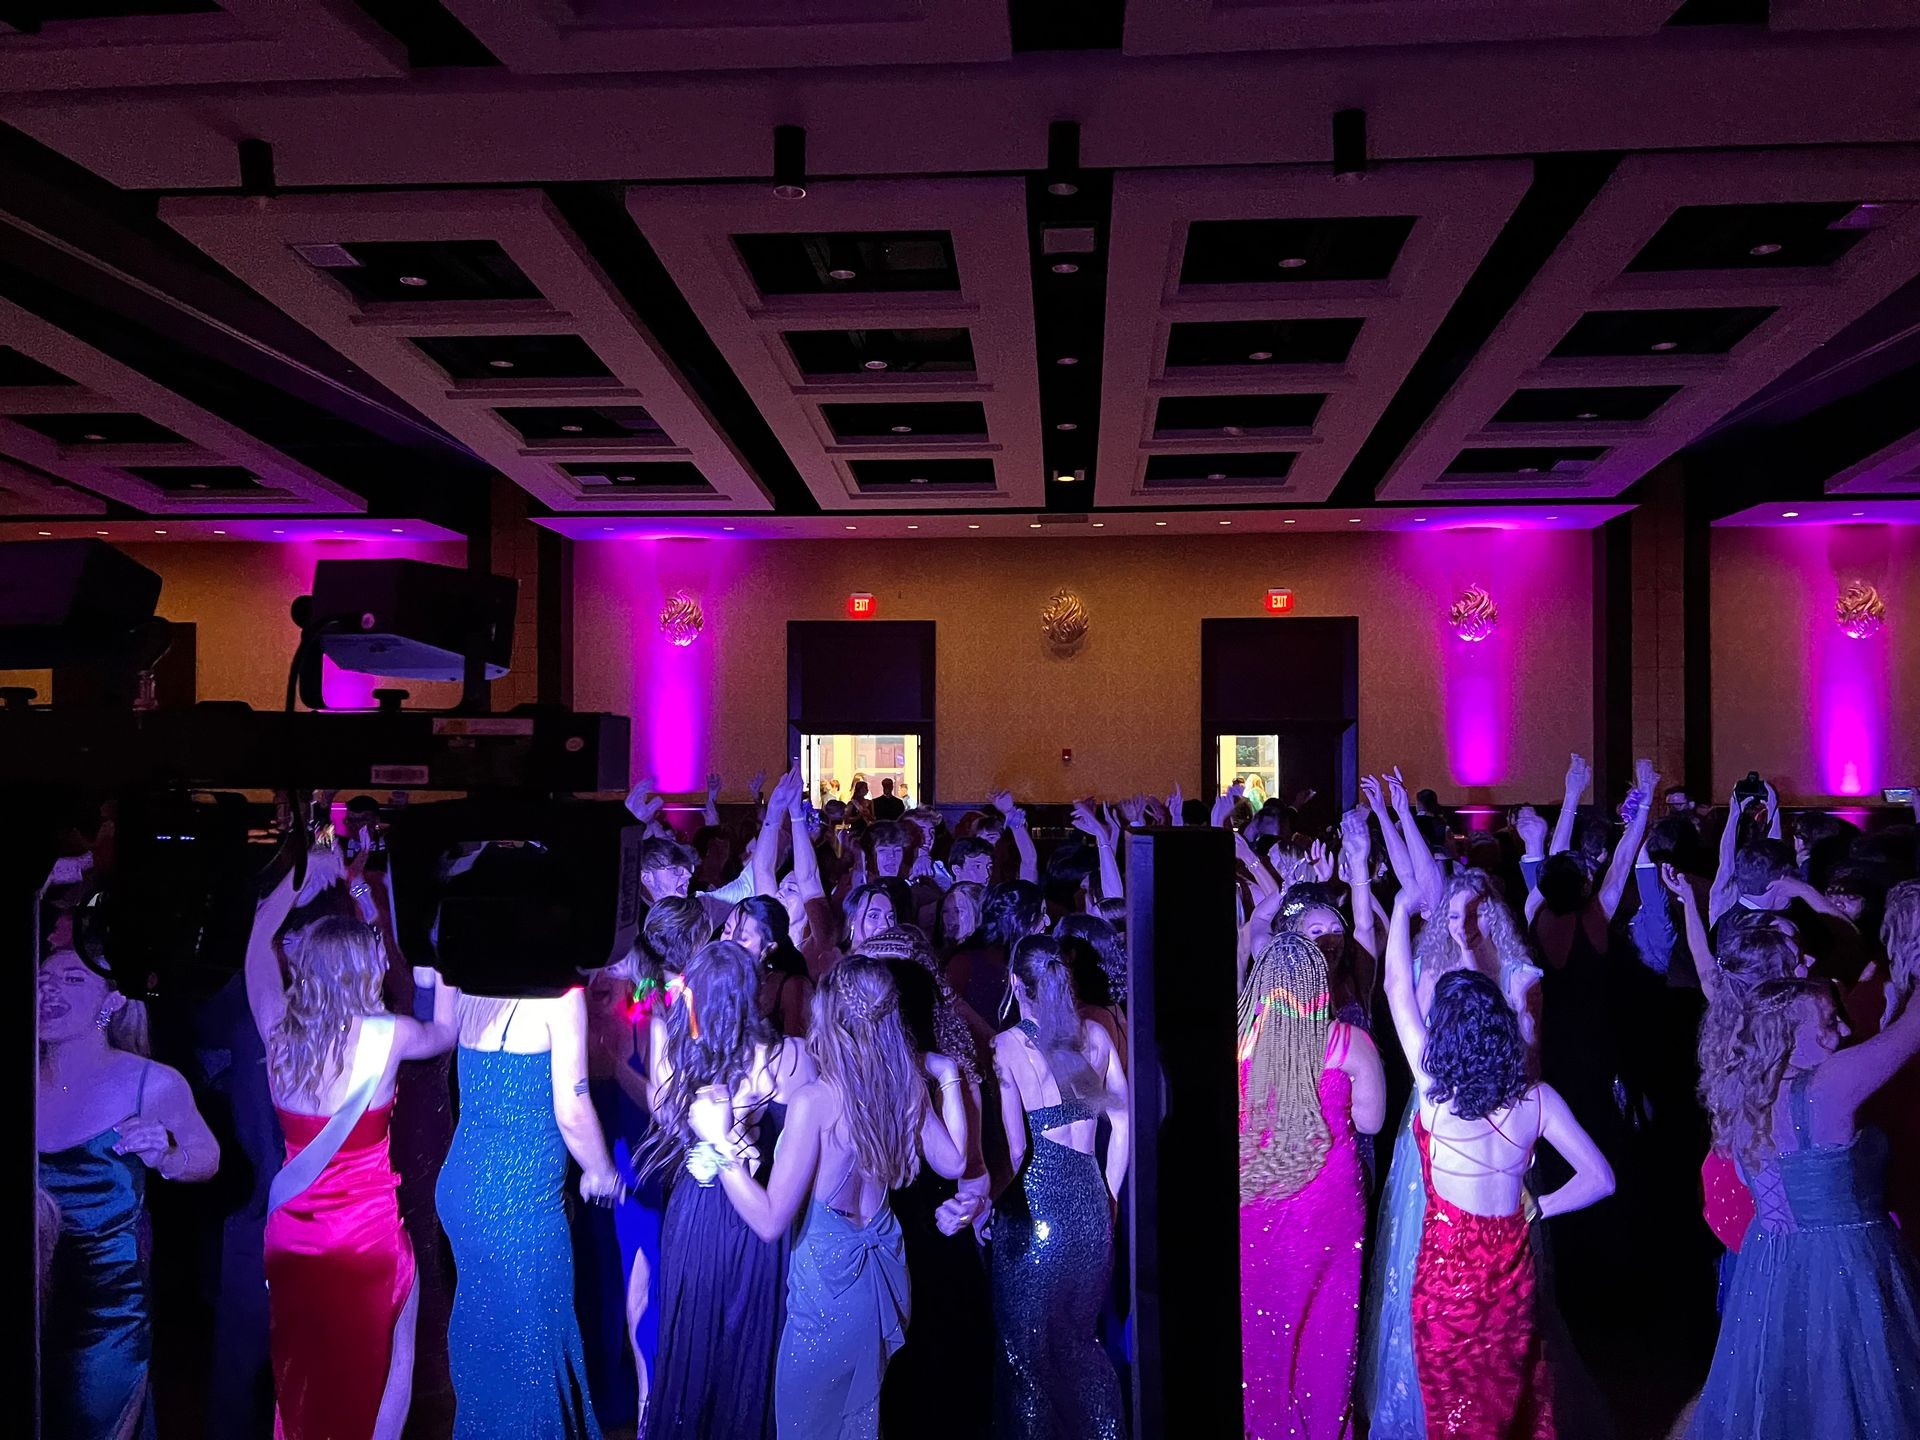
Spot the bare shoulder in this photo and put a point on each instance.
(1099, 1044)
(790, 1064)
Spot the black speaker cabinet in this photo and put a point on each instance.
(1181, 1019)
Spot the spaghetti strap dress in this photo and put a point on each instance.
(847, 1305)
(1052, 1269)
(722, 1293)
(513, 1343)
(1482, 1364)
(1300, 1282)
(97, 1338)
(1821, 1331)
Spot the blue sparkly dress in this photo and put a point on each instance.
(97, 1339)
(722, 1295)
(1052, 1271)
(513, 1343)
(1821, 1334)
(846, 1315)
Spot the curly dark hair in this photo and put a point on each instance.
(1474, 1054)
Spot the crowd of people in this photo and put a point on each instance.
(840, 1148)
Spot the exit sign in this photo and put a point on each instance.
(1279, 602)
(860, 606)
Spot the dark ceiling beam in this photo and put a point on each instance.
(1688, 88)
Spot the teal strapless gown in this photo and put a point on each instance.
(98, 1339)
(847, 1303)
(513, 1342)
(1821, 1332)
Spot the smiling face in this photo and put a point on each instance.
(71, 997)
(874, 915)
(1463, 919)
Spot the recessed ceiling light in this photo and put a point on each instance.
(159, 532)
(277, 532)
(1065, 267)
(1768, 249)
(903, 429)
(339, 532)
(1856, 515)
(913, 527)
(1065, 477)
(1159, 522)
(1665, 345)
(1353, 520)
(1261, 355)
(1529, 469)
(726, 527)
(1789, 514)
(973, 527)
(1293, 262)
(398, 531)
(1289, 522)
(91, 436)
(501, 364)
(789, 192)
(1419, 519)
(1226, 522)
(874, 365)
(841, 274)
(1218, 475)
(1033, 524)
(219, 532)
(916, 479)
(853, 527)
(199, 485)
(49, 532)
(572, 429)
(1231, 430)
(102, 532)
(1099, 524)
(1588, 415)
(1067, 425)
(1063, 188)
(606, 527)
(1068, 360)
(1553, 517)
(623, 479)
(416, 281)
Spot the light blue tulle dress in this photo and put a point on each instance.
(1821, 1333)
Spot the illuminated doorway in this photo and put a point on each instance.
(1254, 761)
(831, 764)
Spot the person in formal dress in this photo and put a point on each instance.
(513, 1343)
(1058, 1074)
(1821, 1330)
(1477, 1343)
(105, 1119)
(1307, 1083)
(339, 1263)
(721, 1290)
(857, 1131)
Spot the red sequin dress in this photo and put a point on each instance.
(1300, 1283)
(1476, 1346)
(339, 1270)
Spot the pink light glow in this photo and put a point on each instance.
(671, 687)
(347, 689)
(1851, 685)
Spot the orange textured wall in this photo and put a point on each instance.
(1127, 703)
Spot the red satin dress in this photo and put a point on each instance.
(339, 1270)
(1476, 1346)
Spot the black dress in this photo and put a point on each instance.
(940, 1383)
(723, 1303)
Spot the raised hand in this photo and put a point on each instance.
(713, 784)
(1397, 792)
(1645, 778)
(1320, 861)
(642, 803)
(1532, 827)
(1579, 776)
(759, 782)
(1134, 811)
(1085, 820)
(1002, 800)
(1375, 796)
(1176, 806)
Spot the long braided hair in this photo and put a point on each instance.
(1286, 1011)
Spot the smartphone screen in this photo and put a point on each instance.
(1901, 796)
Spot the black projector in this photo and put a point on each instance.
(412, 620)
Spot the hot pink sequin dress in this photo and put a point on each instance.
(1300, 1284)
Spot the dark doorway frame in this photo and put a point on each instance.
(1279, 675)
(863, 677)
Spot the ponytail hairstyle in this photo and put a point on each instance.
(336, 969)
(861, 1047)
(714, 1026)
(1286, 1012)
(1054, 1010)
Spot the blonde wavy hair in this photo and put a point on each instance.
(335, 968)
(1900, 934)
(1435, 953)
(861, 1046)
(1743, 1085)
(1286, 1010)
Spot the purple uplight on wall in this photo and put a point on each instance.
(1852, 696)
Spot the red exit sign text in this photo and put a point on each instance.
(1279, 602)
(860, 606)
